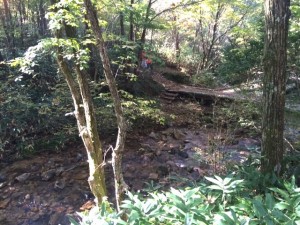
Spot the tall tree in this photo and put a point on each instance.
(120, 185)
(82, 100)
(275, 59)
(8, 25)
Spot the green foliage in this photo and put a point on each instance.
(32, 111)
(238, 60)
(206, 79)
(142, 112)
(238, 115)
(177, 76)
(203, 205)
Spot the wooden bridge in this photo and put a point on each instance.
(206, 95)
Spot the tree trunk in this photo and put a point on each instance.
(131, 31)
(120, 186)
(275, 59)
(85, 116)
(9, 28)
(122, 28)
(146, 21)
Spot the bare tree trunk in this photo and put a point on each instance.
(86, 120)
(86, 123)
(8, 25)
(131, 31)
(122, 29)
(275, 60)
(146, 21)
(120, 186)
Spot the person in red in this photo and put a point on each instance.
(149, 63)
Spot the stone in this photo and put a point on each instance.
(27, 197)
(4, 203)
(2, 178)
(163, 170)
(82, 175)
(158, 152)
(153, 176)
(183, 154)
(55, 218)
(153, 135)
(87, 206)
(3, 184)
(23, 177)
(79, 157)
(59, 170)
(178, 134)
(59, 185)
(49, 174)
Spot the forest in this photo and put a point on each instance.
(150, 112)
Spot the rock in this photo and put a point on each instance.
(163, 171)
(82, 175)
(2, 185)
(59, 170)
(79, 157)
(183, 154)
(146, 147)
(158, 152)
(55, 218)
(170, 163)
(23, 177)
(27, 197)
(148, 157)
(4, 203)
(59, 185)
(2, 178)
(178, 134)
(174, 151)
(153, 135)
(153, 176)
(47, 175)
(87, 206)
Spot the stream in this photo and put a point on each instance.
(45, 189)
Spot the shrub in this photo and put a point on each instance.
(223, 201)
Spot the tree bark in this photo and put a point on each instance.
(8, 25)
(85, 116)
(274, 82)
(120, 186)
(146, 22)
(131, 31)
(122, 28)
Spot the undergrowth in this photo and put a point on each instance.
(218, 201)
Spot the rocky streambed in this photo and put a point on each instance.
(49, 187)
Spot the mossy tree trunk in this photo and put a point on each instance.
(275, 60)
(120, 186)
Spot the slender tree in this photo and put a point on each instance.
(84, 110)
(275, 60)
(120, 186)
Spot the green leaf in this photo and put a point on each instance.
(215, 187)
(282, 205)
(215, 181)
(260, 210)
(190, 193)
(270, 202)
